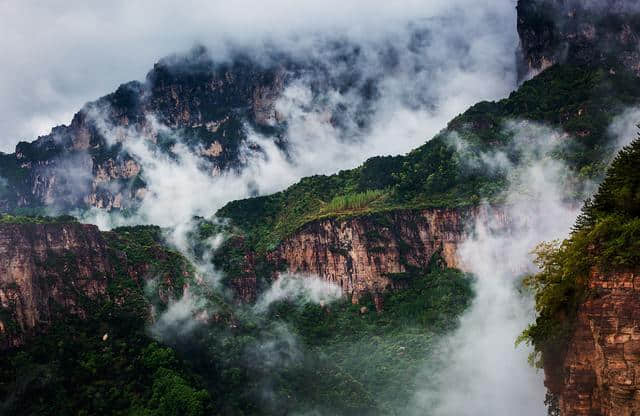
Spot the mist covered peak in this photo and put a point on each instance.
(308, 104)
(580, 32)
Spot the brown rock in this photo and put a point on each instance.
(48, 267)
(600, 375)
(373, 254)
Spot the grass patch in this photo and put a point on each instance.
(352, 203)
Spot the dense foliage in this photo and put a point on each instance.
(24, 219)
(397, 343)
(244, 361)
(580, 101)
(107, 363)
(360, 361)
(606, 237)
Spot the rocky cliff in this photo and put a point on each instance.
(376, 253)
(206, 106)
(600, 373)
(587, 292)
(62, 270)
(203, 103)
(46, 269)
(580, 32)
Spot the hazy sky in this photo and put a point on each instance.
(57, 55)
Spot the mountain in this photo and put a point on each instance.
(342, 226)
(83, 310)
(54, 269)
(84, 164)
(441, 182)
(586, 33)
(119, 322)
(76, 305)
(209, 107)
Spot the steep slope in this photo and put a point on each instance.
(193, 106)
(453, 171)
(600, 368)
(46, 267)
(448, 170)
(587, 296)
(76, 306)
(84, 164)
(375, 253)
(591, 33)
(104, 294)
(52, 270)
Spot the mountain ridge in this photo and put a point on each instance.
(388, 232)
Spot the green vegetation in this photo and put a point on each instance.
(580, 101)
(241, 362)
(23, 219)
(397, 343)
(72, 371)
(361, 363)
(606, 237)
(351, 203)
(106, 364)
(145, 245)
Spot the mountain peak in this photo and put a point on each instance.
(579, 32)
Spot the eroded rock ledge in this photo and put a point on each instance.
(600, 373)
(375, 253)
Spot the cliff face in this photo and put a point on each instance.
(579, 32)
(47, 269)
(54, 271)
(600, 374)
(373, 254)
(206, 106)
(86, 163)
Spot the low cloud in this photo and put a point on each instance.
(482, 372)
(299, 289)
(87, 50)
(180, 317)
(624, 127)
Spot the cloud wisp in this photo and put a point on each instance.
(482, 372)
(299, 289)
(85, 51)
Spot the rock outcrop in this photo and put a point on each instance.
(61, 270)
(45, 270)
(600, 372)
(375, 253)
(87, 164)
(207, 107)
(580, 32)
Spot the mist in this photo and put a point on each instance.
(427, 70)
(479, 369)
(87, 50)
(300, 289)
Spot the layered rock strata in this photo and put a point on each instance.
(600, 372)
